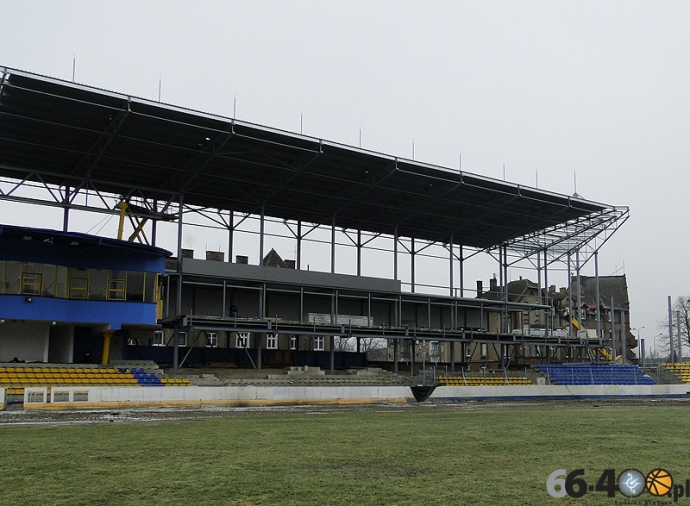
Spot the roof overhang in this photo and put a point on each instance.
(69, 135)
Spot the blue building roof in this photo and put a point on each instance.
(73, 249)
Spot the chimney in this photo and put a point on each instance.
(563, 289)
(216, 256)
(552, 289)
(480, 288)
(493, 284)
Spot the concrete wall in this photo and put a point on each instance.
(85, 398)
(287, 276)
(544, 392)
(25, 340)
(93, 398)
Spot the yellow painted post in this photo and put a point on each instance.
(121, 226)
(107, 334)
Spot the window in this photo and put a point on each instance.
(116, 289)
(272, 341)
(78, 288)
(181, 339)
(31, 283)
(242, 340)
(319, 343)
(484, 350)
(211, 339)
(293, 342)
(158, 338)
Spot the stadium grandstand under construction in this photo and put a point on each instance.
(380, 249)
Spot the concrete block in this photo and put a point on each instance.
(247, 393)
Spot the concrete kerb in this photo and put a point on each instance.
(557, 392)
(194, 396)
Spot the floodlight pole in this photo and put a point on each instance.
(680, 338)
(670, 331)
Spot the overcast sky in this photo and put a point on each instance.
(550, 89)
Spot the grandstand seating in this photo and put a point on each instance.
(470, 380)
(595, 374)
(680, 370)
(16, 378)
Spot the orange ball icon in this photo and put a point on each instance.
(659, 482)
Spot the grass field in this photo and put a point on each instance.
(412, 455)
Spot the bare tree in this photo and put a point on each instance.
(343, 344)
(371, 343)
(365, 344)
(682, 306)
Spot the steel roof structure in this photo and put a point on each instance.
(59, 133)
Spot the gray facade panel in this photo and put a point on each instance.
(224, 270)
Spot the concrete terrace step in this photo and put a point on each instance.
(285, 380)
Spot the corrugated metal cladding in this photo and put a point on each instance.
(70, 135)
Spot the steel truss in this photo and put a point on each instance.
(97, 149)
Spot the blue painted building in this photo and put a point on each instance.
(63, 295)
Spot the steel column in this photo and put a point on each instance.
(231, 235)
(462, 271)
(395, 253)
(261, 236)
(598, 294)
(333, 246)
(395, 355)
(450, 248)
(613, 332)
(570, 298)
(412, 253)
(65, 212)
(299, 245)
(359, 252)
